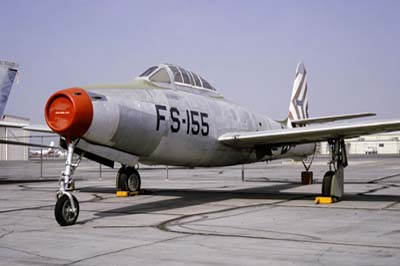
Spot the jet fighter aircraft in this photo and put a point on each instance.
(172, 116)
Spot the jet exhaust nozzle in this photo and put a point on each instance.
(69, 112)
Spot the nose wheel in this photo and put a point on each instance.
(65, 212)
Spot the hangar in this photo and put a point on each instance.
(12, 152)
(383, 144)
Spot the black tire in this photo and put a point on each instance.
(327, 183)
(122, 179)
(62, 211)
(133, 182)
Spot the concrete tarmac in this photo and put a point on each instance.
(203, 216)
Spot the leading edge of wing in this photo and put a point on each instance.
(307, 134)
(328, 119)
(20, 143)
(38, 128)
(34, 128)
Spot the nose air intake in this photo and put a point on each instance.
(69, 112)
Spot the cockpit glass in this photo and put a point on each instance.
(190, 77)
(148, 71)
(196, 80)
(185, 76)
(161, 76)
(206, 85)
(176, 73)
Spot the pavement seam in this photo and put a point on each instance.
(6, 234)
(32, 253)
(382, 178)
(166, 226)
(124, 249)
(284, 239)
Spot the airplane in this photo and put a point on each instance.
(52, 151)
(172, 116)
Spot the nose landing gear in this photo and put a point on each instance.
(66, 210)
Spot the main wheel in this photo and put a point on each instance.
(121, 181)
(128, 179)
(327, 183)
(133, 181)
(63, 211)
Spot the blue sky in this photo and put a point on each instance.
(247, 49)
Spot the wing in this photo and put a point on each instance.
(20, 143)
(33, 128)
(307, 134)
(326, 119)
(27, 127)
(38, 128)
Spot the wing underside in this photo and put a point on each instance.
(307, 134)
(27, 127)
(20, 143)
(32, 128)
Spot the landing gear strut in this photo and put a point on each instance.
(66, 210)
(333, 181)
(128, 179)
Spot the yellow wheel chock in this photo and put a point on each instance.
(127, 193)
(325, 200)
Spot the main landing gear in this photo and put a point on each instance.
(66, 210)
(333, 181)
(128, 179)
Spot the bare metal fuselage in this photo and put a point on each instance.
(178, 127)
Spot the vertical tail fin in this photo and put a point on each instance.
(8, 71)
(298, 107)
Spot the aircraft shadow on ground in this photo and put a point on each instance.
(192, 197)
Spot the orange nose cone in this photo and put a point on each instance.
(69, 112)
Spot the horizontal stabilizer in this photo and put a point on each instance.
(327, 119)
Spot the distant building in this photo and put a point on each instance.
(384, 143)
(9, 151)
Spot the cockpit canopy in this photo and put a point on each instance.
(171, 74)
